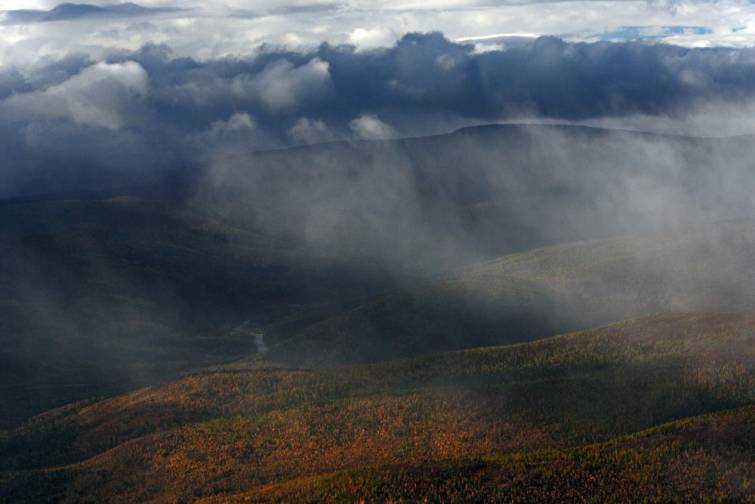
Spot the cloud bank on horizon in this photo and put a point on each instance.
(218, 28)
(125, 87)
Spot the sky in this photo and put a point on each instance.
(211, 29)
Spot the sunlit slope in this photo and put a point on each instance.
(706, 458)
(103, 292)
(542, 292)
(231, 431)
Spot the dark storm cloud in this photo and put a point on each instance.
(11, 81)
(289, 10)
(72, 11)
(547, 77)
(149, 105)
(428, 74)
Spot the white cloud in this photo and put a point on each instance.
(370, 127)
(103, 95)
(227, 27)
(238, 122)
(282, 85)
(310, 131)
(365, 38)
(279, 87)
(715, 118)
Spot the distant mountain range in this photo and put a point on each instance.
(72, 11)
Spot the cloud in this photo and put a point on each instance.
(11, 81)
(238, 122)
(102, 95)
(424, 78)
(432, 202)
(289, 10)
(73, 11)
(282, 85)
(310, 131)
(221, 28)
(273, 84)
(364, 38)
(370, 127)
(192, 109)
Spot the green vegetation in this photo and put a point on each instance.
(229, 431)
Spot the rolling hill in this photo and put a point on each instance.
(105, 292)
(349, 252)
(543, 403)
(120, 292)
(433, 203)
(541, 292)
(702, 459)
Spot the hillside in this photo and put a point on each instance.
(106, 292)
(707, 458)
(224, 432)
(434, 203)
(542, 292)
(331, 254)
